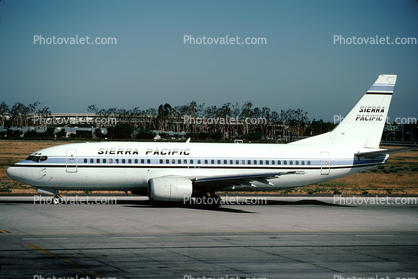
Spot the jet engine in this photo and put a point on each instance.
(169, 188)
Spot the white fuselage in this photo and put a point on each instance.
(130, 165)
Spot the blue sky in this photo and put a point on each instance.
(299, 67)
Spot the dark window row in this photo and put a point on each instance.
(117, 161)
(199, 161)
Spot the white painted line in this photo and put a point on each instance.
(133, 237)
(373, 235)
(218, 236)
(52, 238)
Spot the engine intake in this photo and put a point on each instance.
(169, 188)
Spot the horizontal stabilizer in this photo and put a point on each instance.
(382, 152)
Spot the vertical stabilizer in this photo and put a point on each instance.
(363, 125)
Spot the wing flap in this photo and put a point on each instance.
(238, 179)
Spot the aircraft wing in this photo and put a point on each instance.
(221, 181)
(381, 152)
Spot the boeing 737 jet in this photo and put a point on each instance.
(173, 172)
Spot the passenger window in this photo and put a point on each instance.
(255, 162)
(309, 162)
(123, 161)
(161, 161)
(291, 162)
(231, 162)
(91, 160)
(104, 160)
(273, 162)
(206, 161)
(249, 162)
(243, 162)
(129, 161)
(110, 161)
(279, 162)
(237, 162)
(148, 161)
(284, 162)
(142, 161)
(97, 160)
(219, 162)
(225, 162)
(303, 162)
(179, 161)
(167, 161)
(173, 161)
(267, 162)
(136, 161)
(191, 161)
(297, 162)
(185, 161)
(198, 161)
(261, 162)
(85, 160)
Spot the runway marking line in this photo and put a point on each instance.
(51, 254)
(61, 258)
(4, 231)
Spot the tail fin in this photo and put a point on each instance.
(363, 125)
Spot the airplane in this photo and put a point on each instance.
(175, 172)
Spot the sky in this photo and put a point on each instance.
(298, 66)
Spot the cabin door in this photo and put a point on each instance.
(71, 160)
(325, 163)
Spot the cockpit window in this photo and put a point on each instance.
(37, 158)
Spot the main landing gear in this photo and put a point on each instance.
(57, 199)
(209, 199)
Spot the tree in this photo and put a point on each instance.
(121, 131)
(4, 111)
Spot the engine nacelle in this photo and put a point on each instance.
(169, 188)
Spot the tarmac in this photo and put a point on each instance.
(89, 236)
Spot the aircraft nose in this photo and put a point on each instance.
(11, 172)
